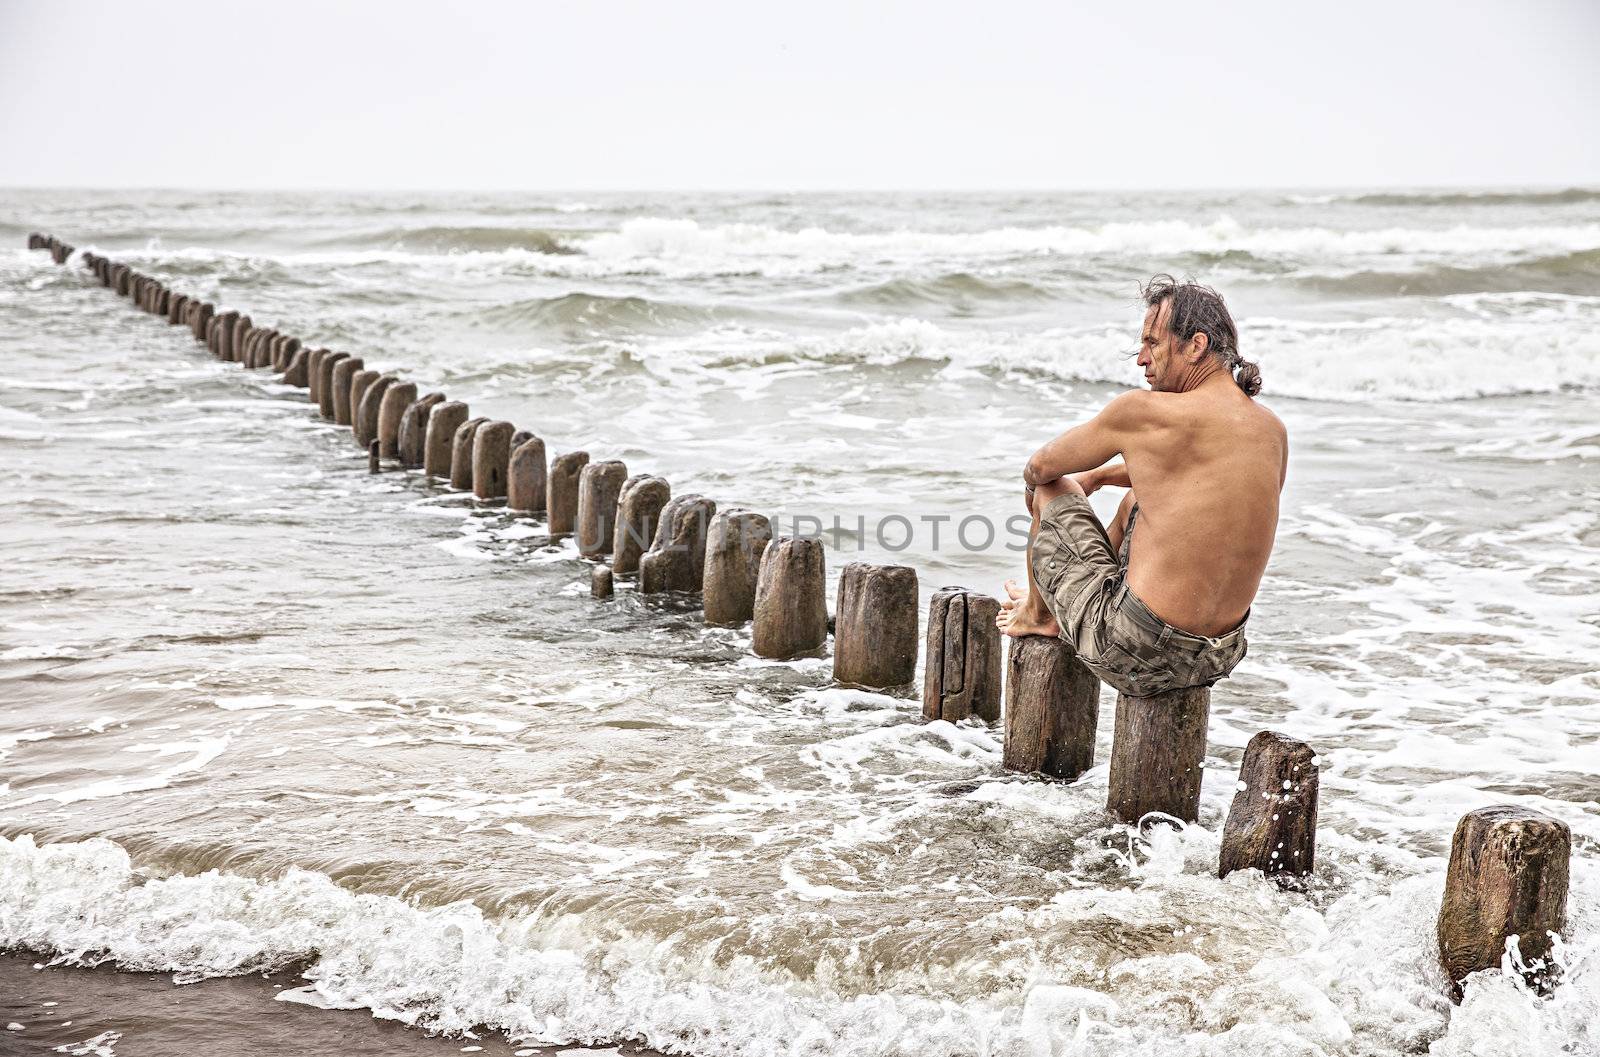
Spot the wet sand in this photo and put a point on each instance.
(106, 1013)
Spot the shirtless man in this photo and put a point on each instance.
(1163, 607)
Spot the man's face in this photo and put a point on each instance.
(1158, 351)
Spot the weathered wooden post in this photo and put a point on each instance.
(461, 448)
(225, 324)
(561, 500)
(202, 317)
(600, 584)
(1507, 877)
(599, 486)
(366, 423)
(875, 626)
(1158, 749)
(491, 456)
(241, 328)
(734, 546)
(295, 371)
(1272, 825)
(344, 387)
(438, 441)
(372, 457)
(638, 512)
(314, 375)
(962, 675)
(399, 396)
(327, 395)
(676, 560)
(414, 429)
(1052, 709)
(527, 480)
(791, 609)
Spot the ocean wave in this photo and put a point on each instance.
(1362, 970)
(1566, 196)
(597, 312)
(683, 240)
(1564, 273)
(954, 289)
(448, 239)
(1431, 360)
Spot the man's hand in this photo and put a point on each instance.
(1088, 480)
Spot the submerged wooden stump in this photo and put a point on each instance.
(734, 547)
(202, 317)
(527, 478)
(295, 369)
(224, 331)
(791, 608)
(1052, 709)
(1157, 751)
(961, 677)
(1507, 877)
(414, 429)
(676, 560)
(461, 450)
(1272, 825)
(561, 500)
(439, 439)
(599, 486)
(372, 457)
(491, 456)
(366, 423)
(326, 395)
(360, 382)
(875, 626)
(344, 385)
(400, 396)
(639, 508)
(600, 584)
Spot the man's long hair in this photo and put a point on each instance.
(1197, 309)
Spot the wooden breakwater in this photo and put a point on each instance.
(1508, 871)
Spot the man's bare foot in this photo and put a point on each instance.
(1018, 617)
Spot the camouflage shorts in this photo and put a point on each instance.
(1115, 633)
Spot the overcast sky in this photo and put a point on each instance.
(801, 95)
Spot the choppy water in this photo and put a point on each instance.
(259, 706)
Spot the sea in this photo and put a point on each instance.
(369, 747)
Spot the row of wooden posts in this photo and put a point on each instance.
(1508, 868)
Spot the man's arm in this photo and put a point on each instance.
(1092, 444)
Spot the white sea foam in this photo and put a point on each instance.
(1384, 359)
(1358, 977)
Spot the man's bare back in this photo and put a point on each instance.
(1204, 463)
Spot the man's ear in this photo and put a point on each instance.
(1201, 342)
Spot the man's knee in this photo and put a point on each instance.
(1054, 489)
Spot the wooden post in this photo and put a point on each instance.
(295, 370)
(562, 498)
(1507, 877)
(527, 479)
(1157, 751)
(366, 423)
(875, 626)
(1272, 825)
(599, 486)
(734, 546)
(228, 321)
(491, 456)
(461, 450)
(414, 429)
(600, 585)
(1052, 709)
(241, 327)
(399, 396)
(962, 675)
(372, 457)
(439, 439)
(326, 393)
(676, 560)
(638, 513)
(791, 608)
(176, 309)
(314, 375)
(344, 387)
(201, 318)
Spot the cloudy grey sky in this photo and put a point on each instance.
(802, 95)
